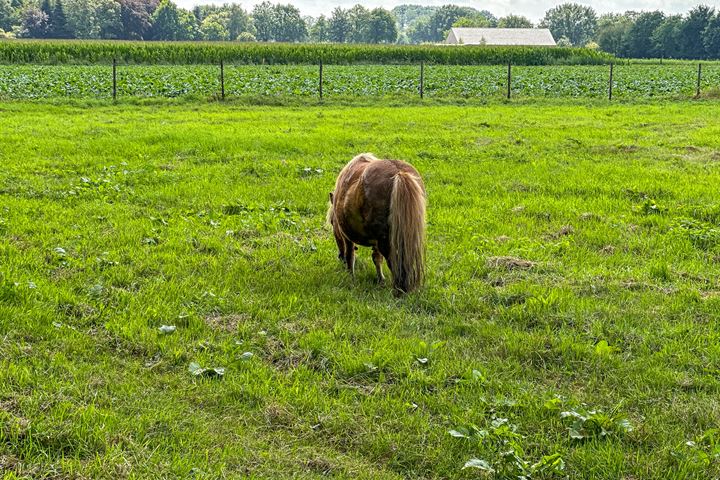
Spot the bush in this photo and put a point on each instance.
(246, 37)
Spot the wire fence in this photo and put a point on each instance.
(323, 81)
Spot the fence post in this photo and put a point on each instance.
(509, 79)
(697, 94)
(422, 79)
(222, 80)
(610, 84)
(320, 81)
(114, 92)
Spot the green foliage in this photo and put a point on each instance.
(436, 27)
(278, 23)
(612, 33)
(166, 22)
(319, 32)
(509, 460)
(571, 20)
(692, 30)
(705, 449)
(246, 37)
(441, 81)
(514, 21)
(79, 52)
(703, 235)
(638, 37)
(591, 424)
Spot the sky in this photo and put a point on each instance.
(532, 9)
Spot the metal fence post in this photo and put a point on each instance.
(222, 80)
(509, 79)
(610, 84)
(114, 91)
(697, 94)
(422, 79)
(320, 81)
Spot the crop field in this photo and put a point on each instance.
(51, 52)
(171, 304)
(630, 81)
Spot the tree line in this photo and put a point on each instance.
(653, 34)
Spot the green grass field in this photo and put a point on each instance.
(569, 325)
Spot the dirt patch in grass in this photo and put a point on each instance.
(227, 323)
(564, 231)
(607, 250)
(509, 263)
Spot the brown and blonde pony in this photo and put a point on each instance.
(381, 204)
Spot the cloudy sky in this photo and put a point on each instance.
(531, 9)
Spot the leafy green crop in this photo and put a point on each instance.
(441, 81)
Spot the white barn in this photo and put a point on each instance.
(527, 37)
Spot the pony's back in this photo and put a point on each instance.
(381, 204)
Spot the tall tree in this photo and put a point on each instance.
(382, 27)
(46, 9)
(82, 18)
(666, 37)
(136, 16)
(574, 21)
(514, 21)
(60, 28)
(338, 25)
(611, 33)
(238, 21)
(109, 18)
(6, 15)
(33, 22)
(358, 24)
(264, 20)
(214, 27)
(166, 21)
(692, 29)
(476, 21)
(440, 22)
(638, 37)
(288, 25)
(419, 32)
(490, 17)
(408, 15)
(320, 30)
(711, 37)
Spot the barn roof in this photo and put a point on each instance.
(500, 36)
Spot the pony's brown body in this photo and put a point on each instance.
(381, 204)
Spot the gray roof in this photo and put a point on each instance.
(500, 36)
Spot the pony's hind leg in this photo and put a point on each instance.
(378, 261)
(350, 256)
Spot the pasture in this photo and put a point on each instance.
(568, 326)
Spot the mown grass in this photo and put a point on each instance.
(573, 255)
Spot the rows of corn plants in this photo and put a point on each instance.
(441, 81)
(93, 52)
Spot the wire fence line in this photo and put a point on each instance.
(424, 80)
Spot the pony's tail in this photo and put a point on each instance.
(407, 232)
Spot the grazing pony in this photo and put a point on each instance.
(381, 204)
